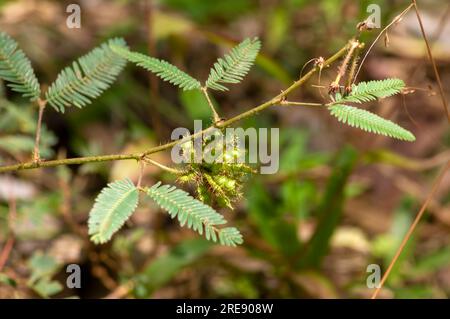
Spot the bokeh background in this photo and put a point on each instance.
(343, 198)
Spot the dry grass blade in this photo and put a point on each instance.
(433, 61)
(411, 229)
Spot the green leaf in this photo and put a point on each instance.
(112, 208)
(372, 90)
(16, 68)
(43, 267)
(161, 68)
(46, 287)
(234, 66)
(194, 214)
(6, 280)
(87, 78)
(369, 122)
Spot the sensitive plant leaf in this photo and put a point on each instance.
(16, 68)
(87, 78)
(233, 66)
(372, 90)
(161, 68)
(112, 208)
(369, 122)
(194, 214)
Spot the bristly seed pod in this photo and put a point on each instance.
(219, 181)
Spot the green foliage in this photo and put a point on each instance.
(234, 66)
(16, 68)
(372, 90)
(193, 213)
(168, 265)
(43, 267)
(112, 208)
(330, 209)
(87, 78)
(196, 106)
(271, 222)
(163, 69)
(17, 125)
(369, 122)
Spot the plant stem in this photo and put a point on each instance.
(433, 61)
(36, 155)
(394, 21)
(163, 167)
(216, 116)
(220, 124)
(290, 103)
(279, 97)
(343, 68)
(411, 229)
(141, 173)
(69, 161)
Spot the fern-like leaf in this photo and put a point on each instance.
(372, 90)
(230, 236)
(87, 78)
(161, 68)
(112, 208)
(234, 66)
(194, 214)
(369, 122)
(16, 68)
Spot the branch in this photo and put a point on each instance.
(137, 156)
(36, 154)
(216, 116)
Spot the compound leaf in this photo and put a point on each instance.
(161, 68)
(194, 214)
(372, 90)
(112, 208)
(87, 78)
(369, 122)
(235, 65)
(16, 68)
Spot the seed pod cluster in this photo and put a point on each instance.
(219, 181)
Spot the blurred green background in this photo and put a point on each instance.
(342, 199)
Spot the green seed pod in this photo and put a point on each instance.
(224, 202)
(227, 183)
(188, 177)
(203, 194)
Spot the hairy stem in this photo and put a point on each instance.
(290, 103)
(282, 95)
(353, 66)
(69, 161)
(343, 68)
(36, 154)
(163, 167)
(394, 21)
(216, 116)
(137, 156)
